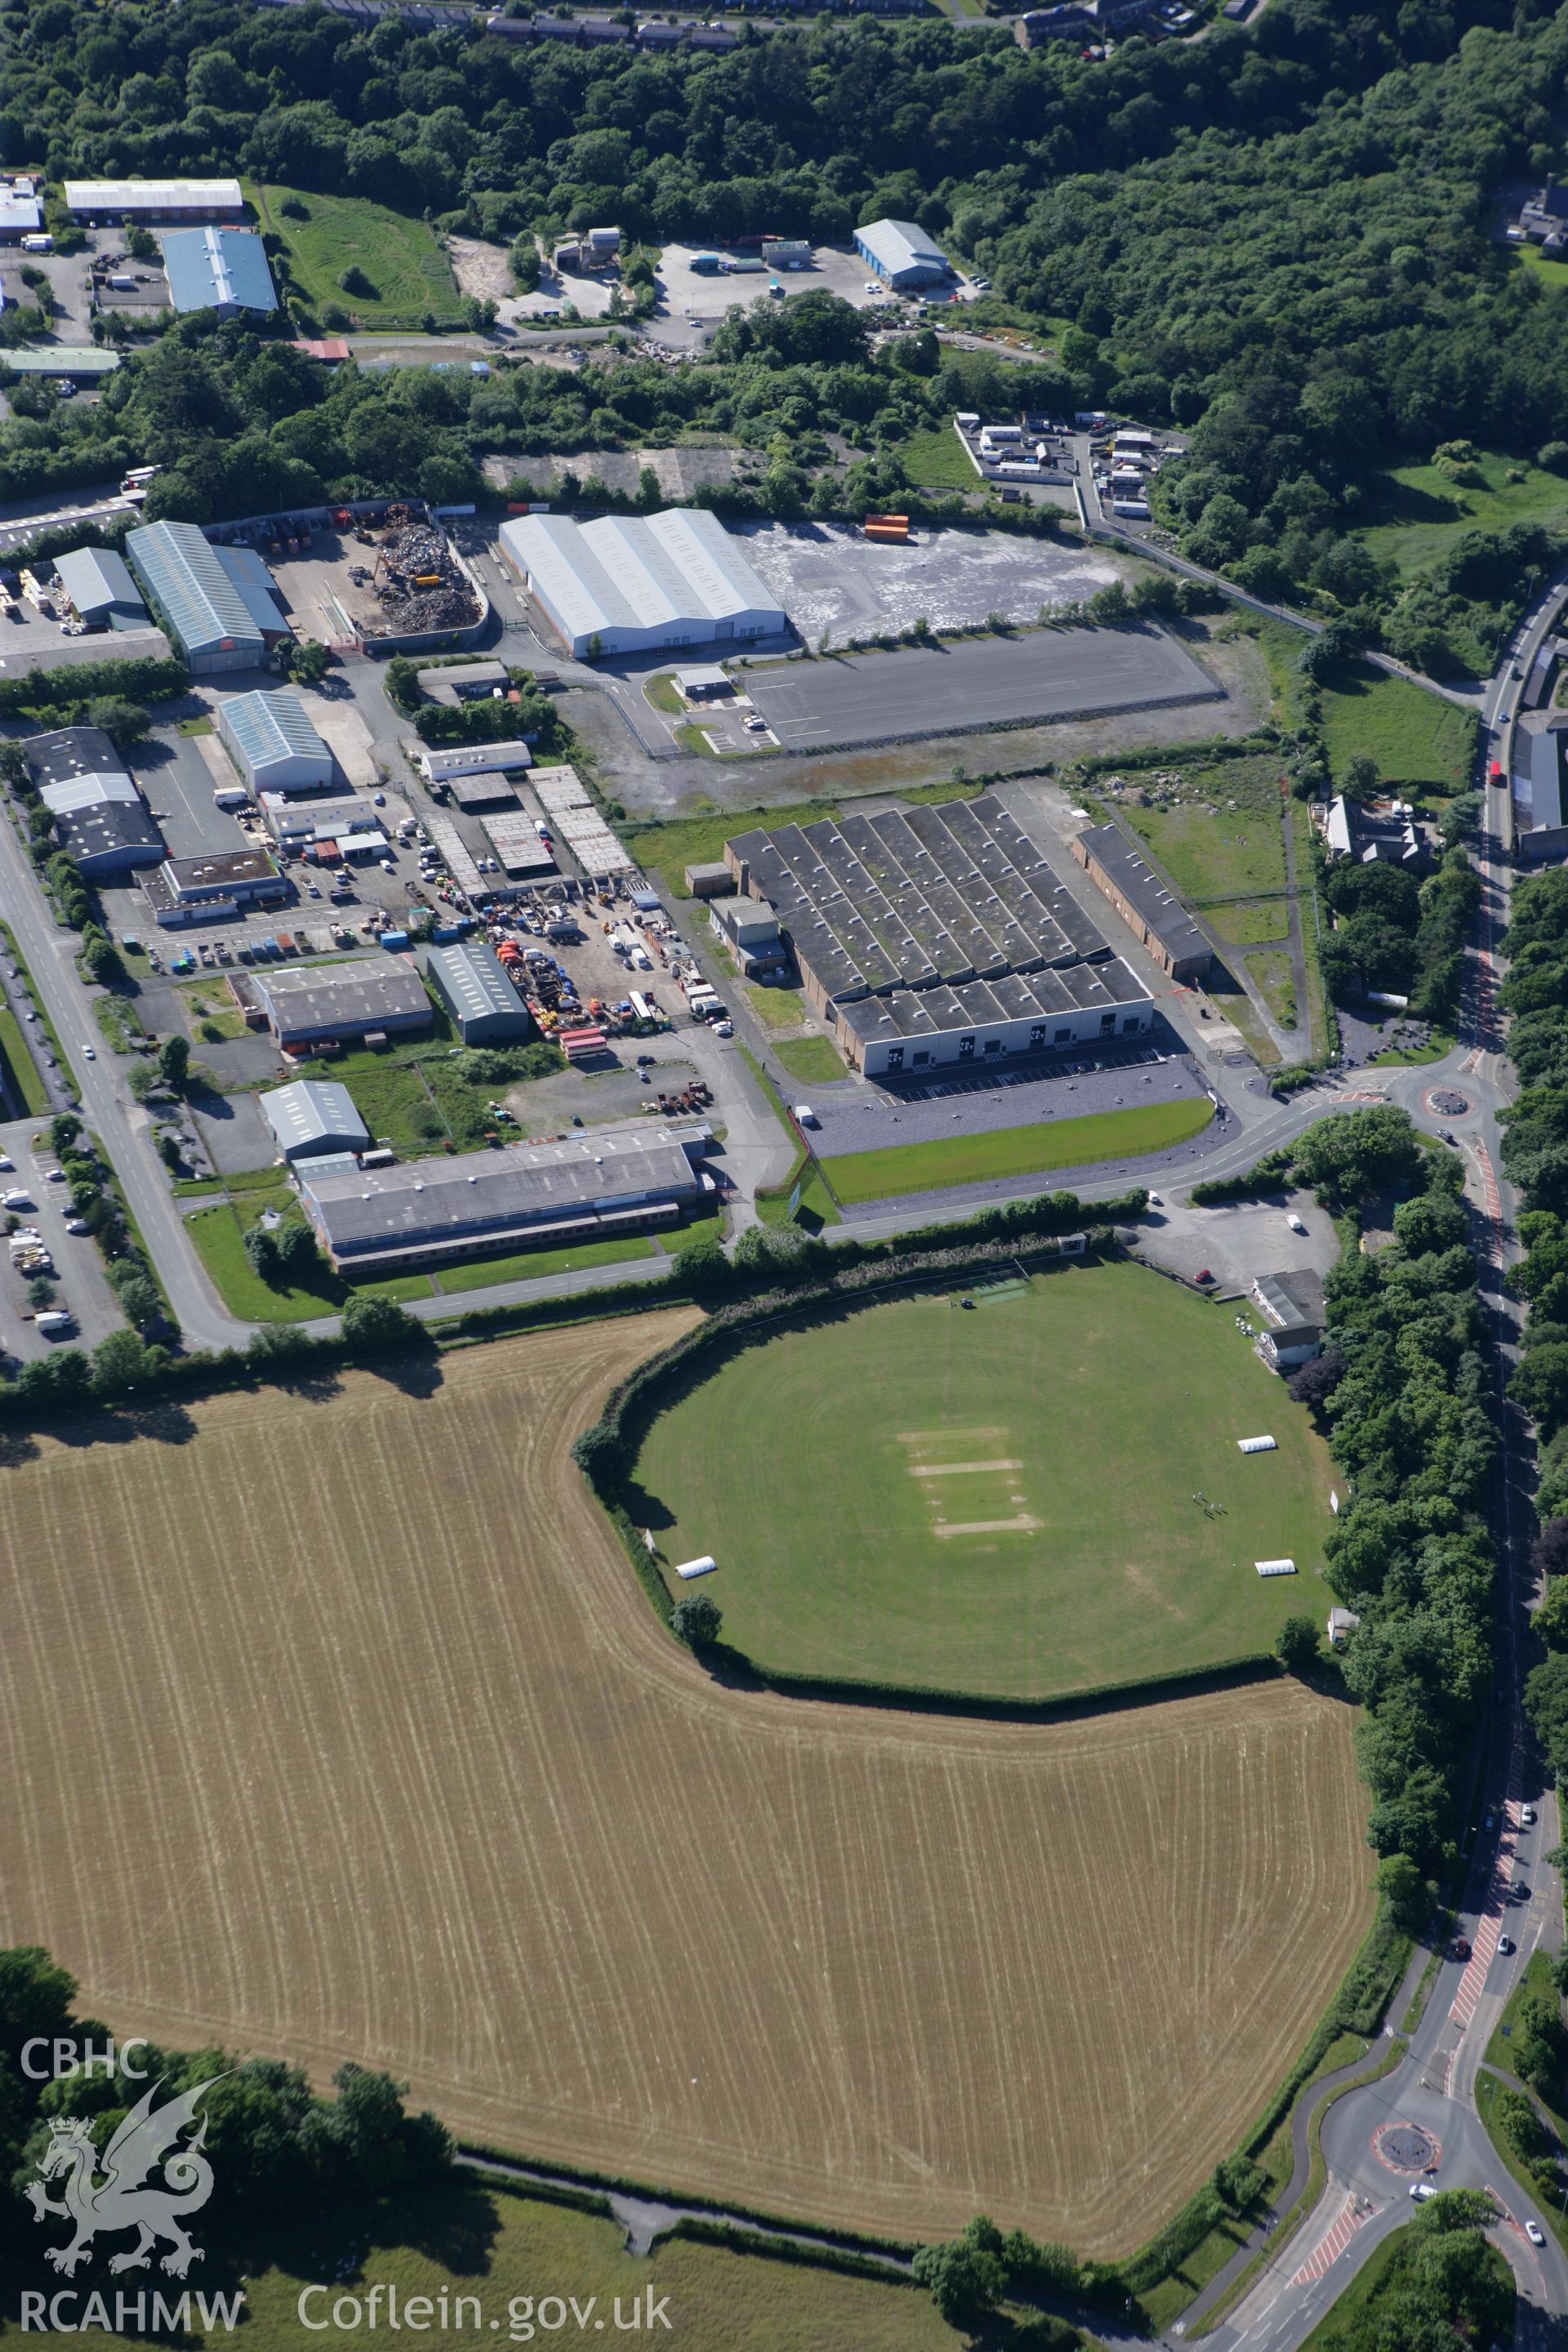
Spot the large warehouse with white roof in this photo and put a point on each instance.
(631, 585)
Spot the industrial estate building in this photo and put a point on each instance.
(100, 590)
(101, 819)
(202, 889)
(365, 1001)
(1538, 786)
(430, 1212)
(146, 201)
(470, 980)
(1150, 911)
(902, 254)
(938, 935)
(750, 929)
(221, 269)
(313, 1117)
(630, 584)
(272, 742)
(21, 214)
(1293, 1309)
(215, 610)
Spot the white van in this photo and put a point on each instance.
(55, 1319)
(40, 241)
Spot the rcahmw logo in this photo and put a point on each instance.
(150, 2178)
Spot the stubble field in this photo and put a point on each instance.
(337, 1727)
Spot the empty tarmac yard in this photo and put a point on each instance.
(841, 701)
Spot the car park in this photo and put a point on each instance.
(14, 1200)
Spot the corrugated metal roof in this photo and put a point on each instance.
(95, 578)
(314, 1110)
(896, 244)
(271, 726)
(182, 574)
(209, 269)
(89, 791)
(153, 195)
(469, 976)
(629, 571)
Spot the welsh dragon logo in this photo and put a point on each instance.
(118, 2200)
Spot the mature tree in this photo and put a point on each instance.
(697, 1621)
(1540, 1384)
(1408, 1896)
(1296, 1645)
(1314, 1383)
(375, 1327)
(1546, 1704)
(965, 2275)
(1549, 1552)
(1359, 779)
(297, 1257)
(1351, 1154)
(261, 1249)
(174, 1061)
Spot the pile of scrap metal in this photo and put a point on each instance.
(418, 585)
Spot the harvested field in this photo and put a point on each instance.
(387, 1757)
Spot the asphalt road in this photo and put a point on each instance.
(978, 682)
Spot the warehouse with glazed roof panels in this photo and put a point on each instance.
(936, 934)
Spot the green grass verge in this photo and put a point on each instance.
(817, 1206)
(1051, 1549)
(901, 1168)
(1413, 1057)
(1272, 972)
(398, 255)
(664, 695)
(119, 1024)
(203, 726)
(1488, 2089)
(1503, 2049)
(510, 2253)
(218, 1236)
(23, 1083)
(810, 1058)
(1419, 514)
(527, 1266)
(775, 1008)
(209, 1011)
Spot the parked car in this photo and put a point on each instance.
(1295, 1224)
(76, 1226)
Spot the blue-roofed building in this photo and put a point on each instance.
(903, 253)
(221, 269)
(272, 742)
(98, 583)
(254, 585)
(194, 598)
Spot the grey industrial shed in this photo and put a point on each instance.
(273, 743)
(221, 269)
(97, 582)
(312, 1117)
(373, 996)
(194, 598)
(485, 1007)
(902, 253)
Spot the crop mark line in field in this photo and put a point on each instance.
(961, 1469)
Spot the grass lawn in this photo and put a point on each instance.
(210, 1012)
(664, 695)
(23, 1083)
(119, 1023)
(1211, 850)
(398, 256)
(1018, 1517)
(1271, 972)
(1247, 921)
(1420, 514)
(1412, 1056)
(202, 726)
(1015, 1150)
(936, 461)
(512, 2253)
(525, 1265)
(1417, 738)
(219, 1234)
(811, 1057)
(775, 1008)
(817, 1206)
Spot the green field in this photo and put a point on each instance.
(1015, 1150)
(527, 1266)
(1420, 513)
(1018, 1515)
(1417, 738)
(399, 256)
(938, 461)
(1211, 850)
(511, 2252)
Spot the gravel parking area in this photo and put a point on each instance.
(858, 1118)
(827, 577)
(692, 293)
